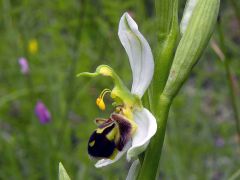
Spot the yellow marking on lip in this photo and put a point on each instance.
(114, 134)
(91, 144)
(100, 130)
(100, 121)
(113, 154)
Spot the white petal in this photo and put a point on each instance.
(147, 127)
(133, 171)
(190, 5)
(105, 162)
(139, 54)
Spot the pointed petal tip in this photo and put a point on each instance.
(105, 162)
(127, 22)
(125, 14)
(62, 173)
(102, 163)
(60, 165)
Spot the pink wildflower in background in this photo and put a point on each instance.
(42, 113)
(23, 65)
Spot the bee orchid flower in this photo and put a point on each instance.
(131, 126)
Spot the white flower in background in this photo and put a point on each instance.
(130, 127)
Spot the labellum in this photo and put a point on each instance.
(110, 137)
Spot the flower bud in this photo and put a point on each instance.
(194, 40)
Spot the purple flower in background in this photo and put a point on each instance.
(24, 65)
(42, 113)
(219, 142)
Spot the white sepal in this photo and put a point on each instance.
(139, 54)
(147, 127)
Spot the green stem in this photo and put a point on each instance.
(168, 31)
(229, 77)
(150, 167)
(233, 96)
(236, 9)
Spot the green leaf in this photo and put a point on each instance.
(62, 174)
(235, 176)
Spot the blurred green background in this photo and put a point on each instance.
(78, 35)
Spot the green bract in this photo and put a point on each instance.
(193, 42)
